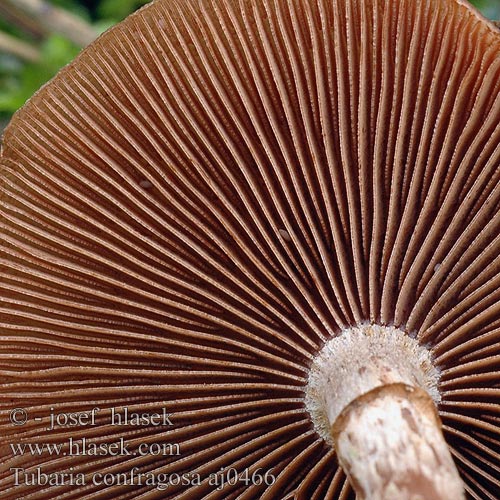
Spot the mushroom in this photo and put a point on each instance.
(243, 242)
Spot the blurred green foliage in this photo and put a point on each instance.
(20, 79)
(117, 9)
(490, 8)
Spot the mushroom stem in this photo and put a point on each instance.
(372, 392)
(390, 445)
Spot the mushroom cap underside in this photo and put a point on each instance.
(205, 197)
